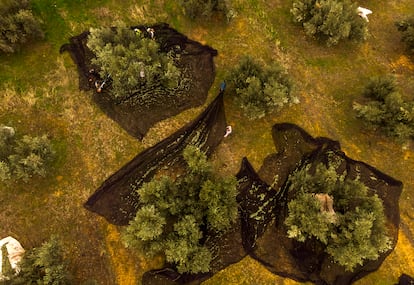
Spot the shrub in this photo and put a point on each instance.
(330, 20)
(260, 90)
(135, 64)
(21, 158)
(176, 215)
(352, 231)
(43, 265)
(387, 110)
(406, 27)
(378, 88)
(6, 269)
(17, 25)
(205, 8)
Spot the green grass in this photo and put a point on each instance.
(39, 94)
(58, 15)
(53, 23)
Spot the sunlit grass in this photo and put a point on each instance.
(39, 94)
(244, 271)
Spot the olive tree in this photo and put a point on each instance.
(135, 64)
(17, 25)
(205, 8)
(23, 157)
(260, 89)
(176, 214)
(340, 213)
(330, 20)
(406, 27)
(42, 265)
(386, 109)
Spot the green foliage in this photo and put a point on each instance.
(175, 215)
(354, 232)
(21, 158)
(388, 111)
(305, 220)
(135, 64)
(260, 90)
(406, 27)
(183, 246)
(151, 223)
(196, 160)
(330, 20)
(4, 171)
(17, 25)
(205, 8)
(219, 202)
(43, 265)
(7, 270)
(379, 87)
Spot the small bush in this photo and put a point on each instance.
(17, 25)
(330, 20)
(204, 9)
(378, 88)
(21, 158)
(6, 268)
(406, 27)
(260, 90)
(43, 265)
(387, 110)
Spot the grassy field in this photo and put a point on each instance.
(39, 94)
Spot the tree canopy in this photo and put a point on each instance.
(17, 25)
(260, 89)
(23, 157)
(406, 27)
(42, 265)
(386, 109)
(136, 66)
(204, 9)
(176, 215)
(330, 20)
(342, 214)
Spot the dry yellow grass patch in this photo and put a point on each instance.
(408, 154)
(402, 63)
(146, 12)
(122, 263)
(128, 267)
(248, 272)
(199, 34)
(161, 130)
(139, 13)
(11, 99)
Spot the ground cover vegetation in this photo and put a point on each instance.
(406, 27)
(22, 157)
(386, 109)
(340, 213)
(330, 21)
(176, 215)
(41, 265)
(18, 25)
(259, 89)
(134, 64)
